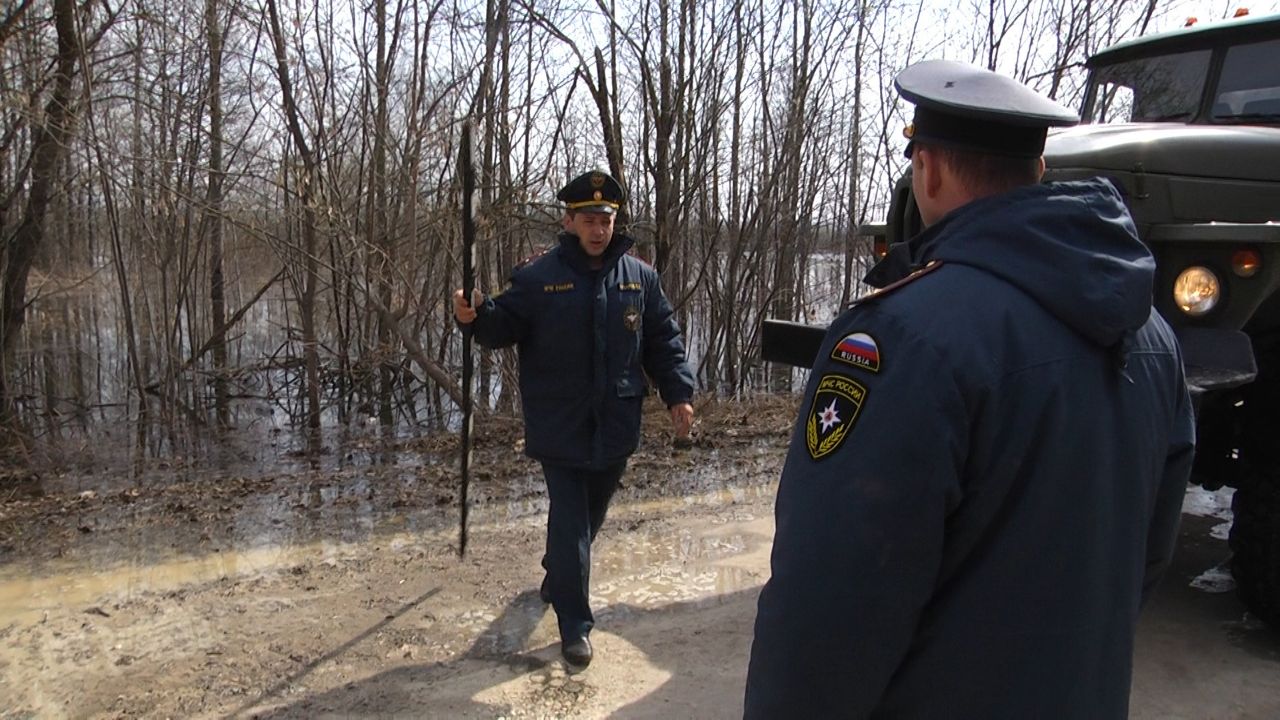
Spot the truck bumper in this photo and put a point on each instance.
(1216, 359)
(792, 343)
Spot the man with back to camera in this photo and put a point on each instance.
(589, 321)
(987, 473)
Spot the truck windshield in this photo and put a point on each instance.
(1156, 89)
(1249, 89)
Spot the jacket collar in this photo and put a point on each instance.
(571, 250)
(906, 257)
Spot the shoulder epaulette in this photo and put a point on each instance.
(632, 253)
(916, 275)
(537, 254)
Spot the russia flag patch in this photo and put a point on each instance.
(859, 350)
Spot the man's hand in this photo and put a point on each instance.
(682, 421)
(465, 313)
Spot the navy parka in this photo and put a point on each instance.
(985, 478)
(585, 340)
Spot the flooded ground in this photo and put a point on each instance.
(338, 592)
(189, 591)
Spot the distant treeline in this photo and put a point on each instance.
(211, 202)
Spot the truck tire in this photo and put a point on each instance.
(1255, 532)
(1255, 543)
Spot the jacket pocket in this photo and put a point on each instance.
(629, 388)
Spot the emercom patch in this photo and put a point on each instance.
(859, 350)
(835, 407)
(631, 318)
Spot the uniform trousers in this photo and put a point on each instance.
(579, 501)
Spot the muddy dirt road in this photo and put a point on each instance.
(338, 593)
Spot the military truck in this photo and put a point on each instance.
(1187, 125)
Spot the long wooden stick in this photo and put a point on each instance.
(467, 172)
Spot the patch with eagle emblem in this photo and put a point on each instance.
(832, 414)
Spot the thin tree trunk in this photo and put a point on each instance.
(306, 194)
(49, 143)
(213, 217)
(380, 240)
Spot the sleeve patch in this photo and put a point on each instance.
(832, 414)
(859, 350)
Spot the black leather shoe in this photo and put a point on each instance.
(576, 651)
(544, 593)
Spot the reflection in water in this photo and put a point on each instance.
(78, 394)
(76, 391)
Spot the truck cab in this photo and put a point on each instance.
(1187, 125)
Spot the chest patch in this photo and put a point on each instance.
(832, 414)
(557, 287)
(630, 287)
(859, 350)
(631, 318)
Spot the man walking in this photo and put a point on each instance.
(589, 322)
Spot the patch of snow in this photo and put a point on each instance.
(1216, 579)
(1204, 503)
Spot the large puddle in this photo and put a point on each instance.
(267, 527)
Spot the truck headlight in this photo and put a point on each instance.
(1197, 290)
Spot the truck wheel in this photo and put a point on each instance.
(1255, 543)
(1255, 532)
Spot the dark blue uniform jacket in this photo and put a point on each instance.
(986, 476)
(586, 338)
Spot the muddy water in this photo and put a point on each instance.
(191, 590)
(261, 528)
(25, 598)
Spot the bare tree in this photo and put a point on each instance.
(214, 212)
(308, 189)
(292, 162)
(51, 132)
